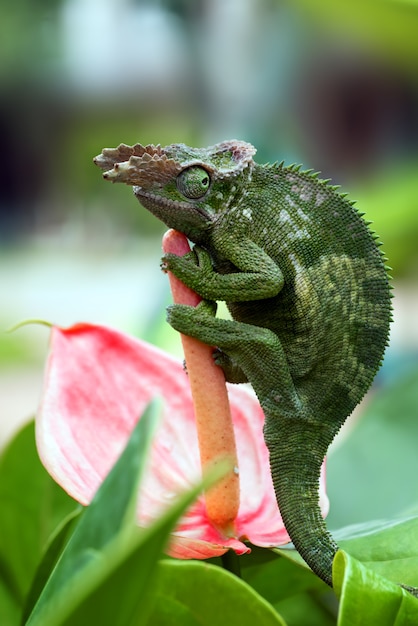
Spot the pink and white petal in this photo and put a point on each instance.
(98, 383)
(185, 548)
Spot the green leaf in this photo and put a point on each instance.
(367, 598)
(124, 593)
(294, 591)
(304, 609)
(9, 607)
(111, 512)
(31, 507)
(50, 558)
(388, 548)
(106, 571)
(201, 594)
(372, 474)
(277, 578)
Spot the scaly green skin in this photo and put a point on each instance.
(307, 288)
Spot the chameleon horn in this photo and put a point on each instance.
(137, 165)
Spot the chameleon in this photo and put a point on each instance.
(306, 284)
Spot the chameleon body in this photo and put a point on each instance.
(307, 288)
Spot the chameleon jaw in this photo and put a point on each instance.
(165, 208)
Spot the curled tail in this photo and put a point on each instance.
(297, 451)
(296, 455)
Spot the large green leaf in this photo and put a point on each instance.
(372, 474)
(200, 594)
(31, 506)
(367, 598)
(107, 520)
(388, 548)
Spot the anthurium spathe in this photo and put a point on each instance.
(98, 383)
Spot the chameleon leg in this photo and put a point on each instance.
(249, 346)
(297, 443)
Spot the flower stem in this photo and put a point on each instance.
(210, 398)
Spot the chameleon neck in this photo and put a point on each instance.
(297, 489)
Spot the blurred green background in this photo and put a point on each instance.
(332, 85)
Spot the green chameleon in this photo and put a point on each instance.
(306, 285)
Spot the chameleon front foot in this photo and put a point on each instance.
(232, 371)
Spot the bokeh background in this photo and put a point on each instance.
(332, 85)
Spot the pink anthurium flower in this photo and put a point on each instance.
(98, 383)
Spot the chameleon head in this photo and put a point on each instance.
(184, 187)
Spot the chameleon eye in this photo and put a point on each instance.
(193, 182)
